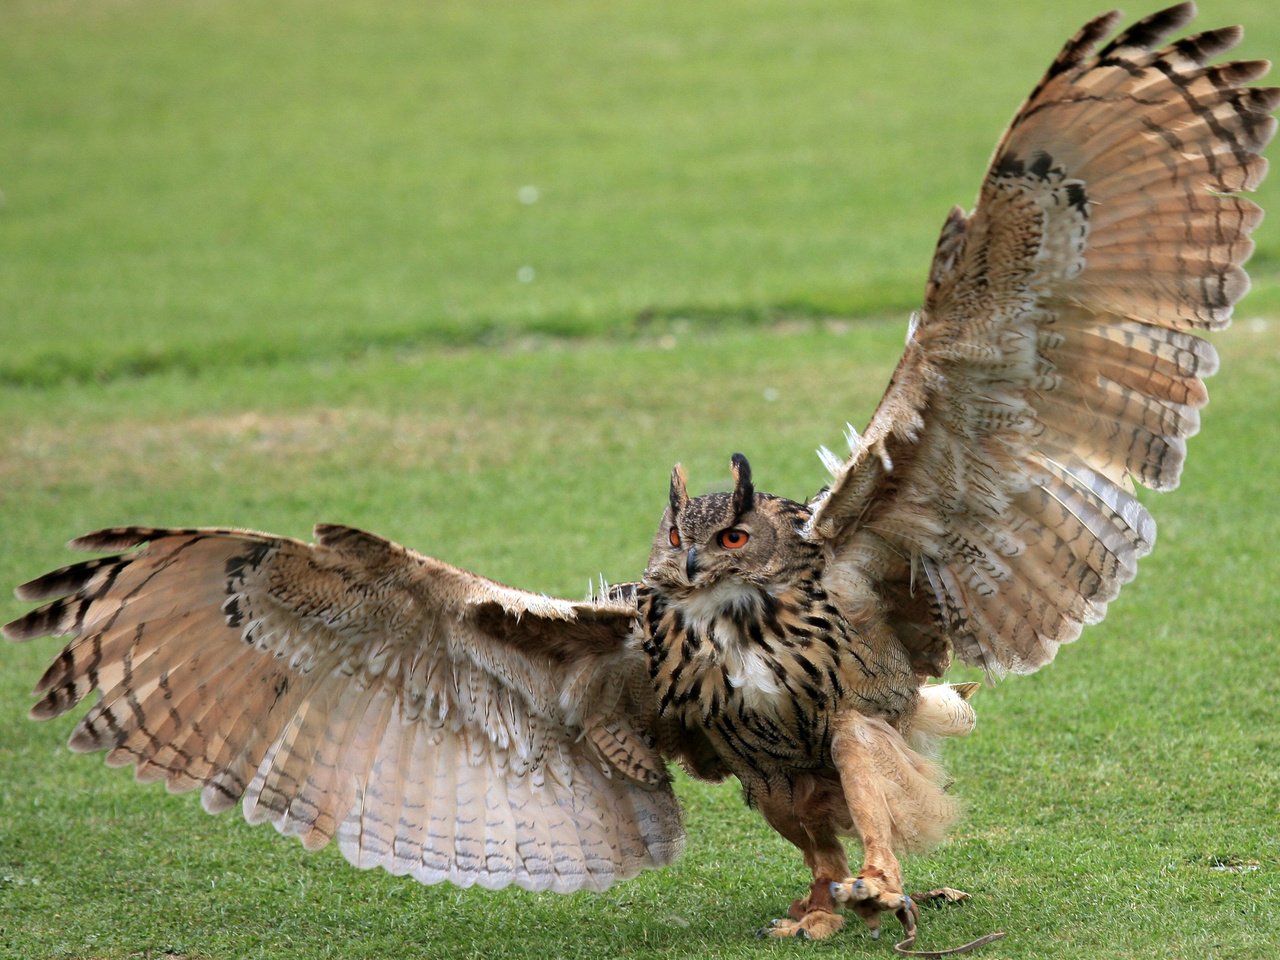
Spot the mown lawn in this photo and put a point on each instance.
(260, 266)
(217, 183)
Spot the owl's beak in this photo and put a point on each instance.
(691, 563)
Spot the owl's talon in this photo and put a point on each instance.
(814, 925)
(907, 915)
(772, 929)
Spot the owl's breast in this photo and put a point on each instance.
(761, 674)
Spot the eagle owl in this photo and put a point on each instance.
(444, 726)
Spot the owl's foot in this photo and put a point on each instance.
(814, 925)
(810, 918)
(869, 896)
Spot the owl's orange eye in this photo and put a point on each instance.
(734, 539)
(674, 537)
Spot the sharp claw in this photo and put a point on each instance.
(771, 931)
(907, 914)
(803, 934)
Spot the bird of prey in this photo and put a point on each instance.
(442, 725)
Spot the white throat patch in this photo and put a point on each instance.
(703, 606)
(747, 669)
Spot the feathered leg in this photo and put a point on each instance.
(896, 801)
(810, 827)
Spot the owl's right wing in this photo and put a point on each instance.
(438, 724)
(989, 506)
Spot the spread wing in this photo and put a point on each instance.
(437, 723)
(989, 505)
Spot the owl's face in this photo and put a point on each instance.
(744, 537)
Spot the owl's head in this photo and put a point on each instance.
(740, 536)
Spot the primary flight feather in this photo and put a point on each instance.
(441, 725)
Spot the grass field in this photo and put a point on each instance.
(262, 265)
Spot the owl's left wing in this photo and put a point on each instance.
(989, 506)
(437, 723)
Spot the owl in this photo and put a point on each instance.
(444, 726)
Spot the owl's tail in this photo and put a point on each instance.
(943, 710)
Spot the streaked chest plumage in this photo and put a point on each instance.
(758, 673)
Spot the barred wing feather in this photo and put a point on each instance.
(989, 505)
(436, 723)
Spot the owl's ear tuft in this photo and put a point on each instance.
(679, 489)
(744, 493)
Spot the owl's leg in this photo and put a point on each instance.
(812, 917)
(878, 886)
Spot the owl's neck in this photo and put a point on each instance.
(728, 598)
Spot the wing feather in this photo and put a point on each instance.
(435, 723)
(989, 503)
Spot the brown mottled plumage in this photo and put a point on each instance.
(442, 725)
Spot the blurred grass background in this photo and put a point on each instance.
(473, 275)
(189, 184)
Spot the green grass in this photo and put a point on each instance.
(258, 267)
(178, 177)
